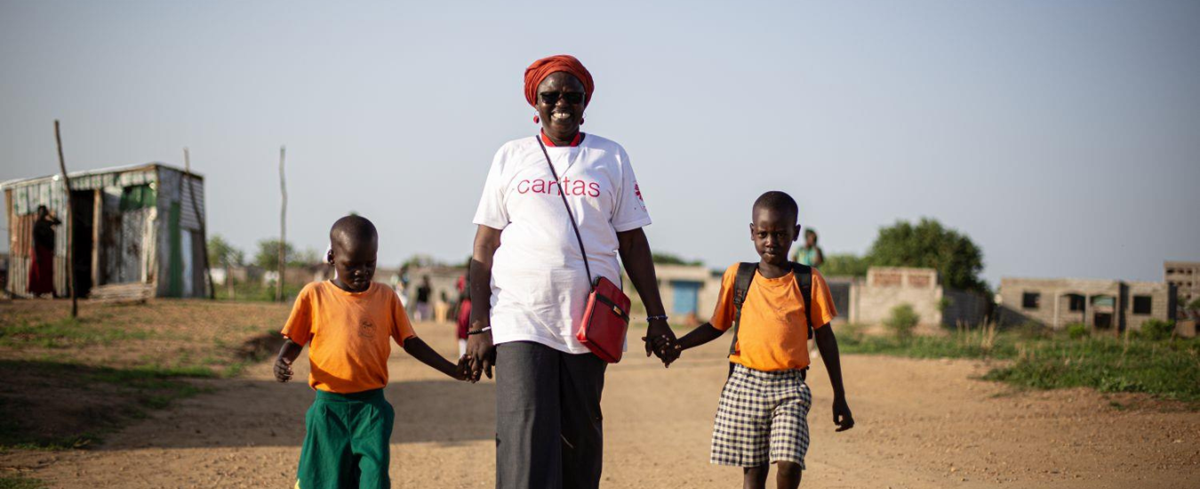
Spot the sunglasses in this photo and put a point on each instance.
(551, 98)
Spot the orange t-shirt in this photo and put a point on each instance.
(347, 335)
(774, 331)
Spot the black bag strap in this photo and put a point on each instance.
(570, 215)
(803, 274)
(741, 286)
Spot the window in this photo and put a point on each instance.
(1077, 302)
(1031, 300)
(1142, 304)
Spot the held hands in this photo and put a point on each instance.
(668, 350)
(660, 341)
(462, 371)
(283, 369)
(481, 353)
(841, 414)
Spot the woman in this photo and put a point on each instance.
(529, 295)
(41, 263)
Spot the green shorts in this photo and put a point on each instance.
(346, 441)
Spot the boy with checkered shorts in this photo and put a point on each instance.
(770, 305)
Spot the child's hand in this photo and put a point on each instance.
(841, 414)
(283, 369)
(667, 349)
(462, 371)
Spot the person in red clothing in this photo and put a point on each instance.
(463, 314)
(41, 263)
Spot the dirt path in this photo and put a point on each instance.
(921, 424)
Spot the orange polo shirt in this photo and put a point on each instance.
(348, 335)
(773, 334)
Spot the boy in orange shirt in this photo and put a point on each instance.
(763, 410)
(347, 323)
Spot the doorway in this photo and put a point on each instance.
(83, 213)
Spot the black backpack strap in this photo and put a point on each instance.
(741, 286)
(803, 274)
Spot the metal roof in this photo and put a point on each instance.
(100, 171)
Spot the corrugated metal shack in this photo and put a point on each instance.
(133, 226)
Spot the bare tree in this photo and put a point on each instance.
(282, 227)
(62, 165)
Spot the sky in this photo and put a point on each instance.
(1062, 137)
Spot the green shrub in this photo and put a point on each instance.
(1077, 330)
(1157, 330)
(903, 321)
(851, 333)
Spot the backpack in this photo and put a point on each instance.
(741, 286)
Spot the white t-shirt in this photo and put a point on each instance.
(539, 284)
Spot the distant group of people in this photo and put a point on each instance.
(567, 204)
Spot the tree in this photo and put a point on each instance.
(662, 258)
(929, 244)
(267, 257)
(305, 258)
(845, 265)
(221, 254)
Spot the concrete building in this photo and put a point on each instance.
(1101, 305)
(1185, 276)
(134, 228)
(871, 302)
(689, 294)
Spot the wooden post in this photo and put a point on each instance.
(282, 228)
(62, 165)
(97, 225)
(187, 171)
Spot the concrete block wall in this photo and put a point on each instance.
(1161, 304)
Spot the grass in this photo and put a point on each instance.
(142, 388)
(1168, 369)
(72, 382)
(20, 483)
(66, 333)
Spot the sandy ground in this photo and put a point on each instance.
(920, 424)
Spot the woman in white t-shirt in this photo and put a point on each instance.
(529, 295)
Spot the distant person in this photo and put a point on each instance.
(424, 291)
(762, 414)
(41, 263)
(441, 308)
(400, 292)
(462, 313)
(348, 323)
(810, 254)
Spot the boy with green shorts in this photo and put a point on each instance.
(348, 323)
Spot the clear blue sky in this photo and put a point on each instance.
(1063, 137)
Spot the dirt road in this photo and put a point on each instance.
(921, 424)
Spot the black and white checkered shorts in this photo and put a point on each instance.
(762, 417)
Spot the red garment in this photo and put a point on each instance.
(41, 270)
(464, 319)
(574, 141)
(544, 67)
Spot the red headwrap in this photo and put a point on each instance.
(542, 68)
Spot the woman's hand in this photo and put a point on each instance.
(481, 354)
(660, 341)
